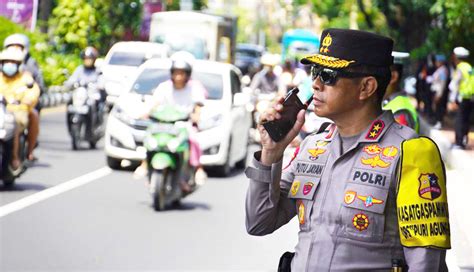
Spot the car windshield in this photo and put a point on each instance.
(127, 58)
(150, 78)
(247, 53)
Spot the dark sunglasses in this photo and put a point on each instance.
(329, 76)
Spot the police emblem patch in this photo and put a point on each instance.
(301, 212)
(295, 187)
(360, 221)
(314, 153)
(429, 186)
(370, 200)
(321, 143)
(372, 149)
(307, 188)
(350, 197)
(389, 152)
(327, 41)
(375, 130)
(375, 161)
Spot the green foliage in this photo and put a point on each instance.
(51, 63)
(197, 4)
(100, 23)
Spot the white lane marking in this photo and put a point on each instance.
(53, 191)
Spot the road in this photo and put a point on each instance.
(107, 223)
(72, 213)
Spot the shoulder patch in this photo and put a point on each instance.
(375, 130)
(422, 205)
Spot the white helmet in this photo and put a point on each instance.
(270, 59)
(12, 54)
(461, 52)
(17, 39)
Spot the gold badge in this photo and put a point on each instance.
(389, 152)
(327, 41)
(372, 149)
(294, 187)
(375, 162)
(370, 200)
(301, 212)
(321, 143)
(315, 153)
(360, 221)
(350, 197)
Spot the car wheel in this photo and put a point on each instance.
(113, 163)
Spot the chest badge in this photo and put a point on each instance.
(301, 212)
(314, 153)
(307, 188)
(429, 186)
(350, 197)
(370, 200)
(360, 221)
(295, 187)
(389, 152)
(375, 161)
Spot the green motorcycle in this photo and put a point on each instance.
(168, 150)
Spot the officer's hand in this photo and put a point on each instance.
(273, 151)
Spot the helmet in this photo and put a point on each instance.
(89, 52)
(11, 54)
(461, 52)
(182, 61)
(269, 59)
(17, 39)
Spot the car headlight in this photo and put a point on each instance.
(120, 114)
(209, 123)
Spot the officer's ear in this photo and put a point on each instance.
(368, 87)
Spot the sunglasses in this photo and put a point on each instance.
(329, 76)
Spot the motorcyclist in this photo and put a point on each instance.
(266, 81)
(88, 73)
(188, 95)
(21, 93)
(22, 43)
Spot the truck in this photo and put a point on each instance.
(206, 36)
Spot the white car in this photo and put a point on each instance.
(123, 60)
(223, 129)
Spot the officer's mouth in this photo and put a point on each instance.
(317, 101)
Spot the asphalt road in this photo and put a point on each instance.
(70, 212)
(106, 222)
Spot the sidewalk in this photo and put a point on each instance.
(460, 186)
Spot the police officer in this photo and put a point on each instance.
(367, 192)
(462, 90)
(396, 99)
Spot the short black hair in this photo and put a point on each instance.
(382, 74)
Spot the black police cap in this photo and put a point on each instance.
(341, 48)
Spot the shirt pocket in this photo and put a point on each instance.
(303, 190)
(363, 213)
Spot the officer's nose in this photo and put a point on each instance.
(317, 85)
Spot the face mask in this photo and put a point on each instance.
(10, 69)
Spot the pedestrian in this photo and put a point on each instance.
(266, 81)
(439, 87)
(396, 99)
(367, 192)
(462, 93)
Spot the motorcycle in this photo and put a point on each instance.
(7, 134)
(85, 115)
(167, 155)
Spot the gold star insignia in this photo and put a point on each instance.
(377, 127)
(373, 134)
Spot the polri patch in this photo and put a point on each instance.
(307, 188)
(375, 161)
(429, 186)
(360, 221)
(314, 153)
(350, 197)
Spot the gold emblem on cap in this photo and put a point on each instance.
(327, 41)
